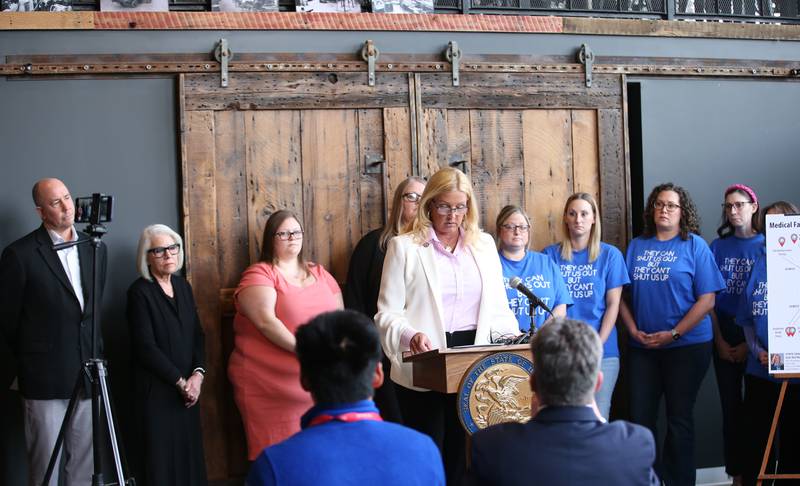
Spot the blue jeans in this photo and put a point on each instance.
(675, 374)
(610, 369)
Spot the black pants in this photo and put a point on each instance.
(675, 374)
(436, 415)
(760, 398)
(385, 396)
(730, 383)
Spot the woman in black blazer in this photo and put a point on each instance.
(168, 360)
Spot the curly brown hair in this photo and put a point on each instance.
(690, 220)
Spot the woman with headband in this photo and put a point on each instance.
(735, 252)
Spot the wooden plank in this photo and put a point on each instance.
(627, 156)
(666, 28)
(201, 200)
(370, 151)
(273, 169)
(46, 20)
(459, 145)
(330, 187)
(266, 91)
(232, 196)
(309, 21)
(584, 153)
(233, 258)
(547, 145)
(433, 147)
(496, 166)
(613, 176)
(519, 91)
(397, 144)
(443, 371)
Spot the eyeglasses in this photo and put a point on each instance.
(412, 197)
(445, 209)
(289, 235)
(669, 206)
(523, 228)
(739, 205)
(161, 251)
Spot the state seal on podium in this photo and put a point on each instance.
(496, 389)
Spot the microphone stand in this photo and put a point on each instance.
(95, 370)
(525, 338)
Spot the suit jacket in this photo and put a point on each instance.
(410, 298)
(563, 446)
(40, 315)
(364, 274)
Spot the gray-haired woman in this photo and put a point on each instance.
(168, 358)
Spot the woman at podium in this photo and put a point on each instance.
(442, 286)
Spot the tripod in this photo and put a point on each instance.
(95, 370)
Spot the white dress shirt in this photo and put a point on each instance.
(70, 262)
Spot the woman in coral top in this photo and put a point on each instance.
(274, 297)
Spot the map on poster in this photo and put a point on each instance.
(783, 277)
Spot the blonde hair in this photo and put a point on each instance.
(443, 181)
(503, 216)
(594, 233)
(394, 226)
(145, 243)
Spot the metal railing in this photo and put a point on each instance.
(781, 11)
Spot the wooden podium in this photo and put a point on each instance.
(491, 382)
(443, 369)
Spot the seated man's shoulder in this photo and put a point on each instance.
(504, 432)
(630, 432)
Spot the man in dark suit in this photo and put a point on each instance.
(567, 442)
(45, 317)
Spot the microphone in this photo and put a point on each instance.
(516, 283)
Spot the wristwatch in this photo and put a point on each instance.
(675, 334)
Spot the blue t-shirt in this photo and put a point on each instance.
(542, 277)
(752, 312)
(667, 277)
(588, 282)
(735, 258)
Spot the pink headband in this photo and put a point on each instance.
(743, 188)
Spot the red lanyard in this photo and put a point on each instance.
(345, 417)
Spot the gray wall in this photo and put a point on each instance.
(707, 135)
(113, 136)
(120, 137)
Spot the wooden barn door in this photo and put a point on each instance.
(330, 153)
(333, 149)
(529, 140)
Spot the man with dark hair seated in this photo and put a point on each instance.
(343, 439)
(567, 442)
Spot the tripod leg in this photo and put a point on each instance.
(110, 419)
(73, 402)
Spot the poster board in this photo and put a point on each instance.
(783, 277)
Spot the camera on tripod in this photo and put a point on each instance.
(95, 209)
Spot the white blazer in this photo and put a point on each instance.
(410, 298)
